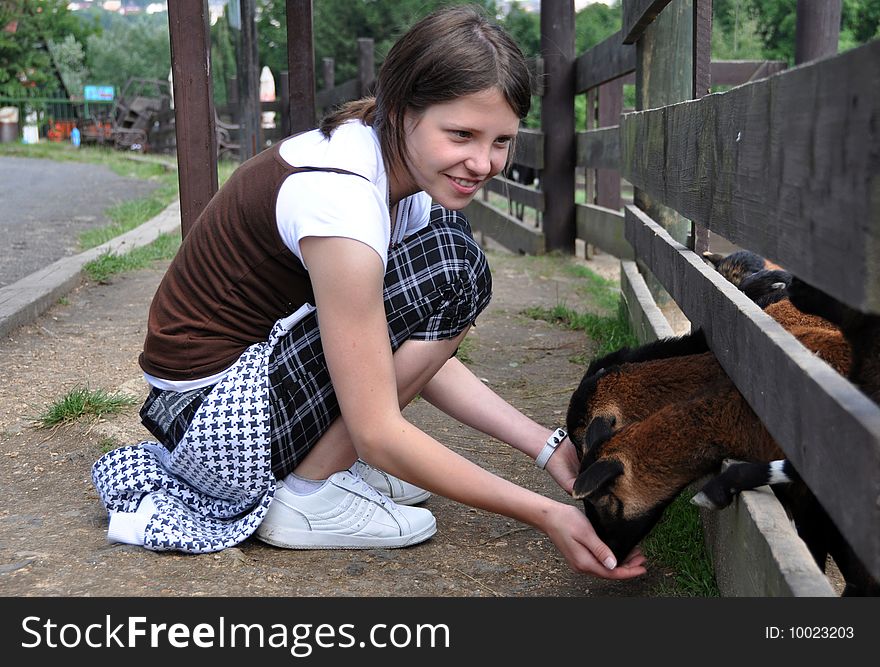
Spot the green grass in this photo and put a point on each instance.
(611, 332)
(109, 264)
(82, 402)
(604, 292)
(677, 543)
(465, 351)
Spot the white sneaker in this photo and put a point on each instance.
(344, 513)
(403, 493)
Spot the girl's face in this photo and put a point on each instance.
(455, 147)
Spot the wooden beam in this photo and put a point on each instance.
(557, 123)
(785, 167)
(606, 61)
(301, 65)
(738, 72)
(248, 77)
(529, 149)
(604, 228)
(505, 229)
(638, 15)
(193, 107)
(366, 66)
(599, 149)
(646, 319)
(521, 194)
(608, 178)
(817, 31)
(815, 415)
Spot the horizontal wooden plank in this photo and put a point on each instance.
(505, 229)
(344, 92)
(599, 149)
(738, 72)
(786, 167)
(529, 149)
(638, 15)
(605, 61)
(604, 228)
(826, 426)
(646, 319)
(521, 194)
(756, 551)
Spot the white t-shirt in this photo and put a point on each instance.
(324, 203)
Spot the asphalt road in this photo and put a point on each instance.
(44, 205)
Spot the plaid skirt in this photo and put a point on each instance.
(212, 477)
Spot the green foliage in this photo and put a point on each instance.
(130, 47)
(735, 34)
(26, 29)
(70, 61)
(82, 402)
(594, 24)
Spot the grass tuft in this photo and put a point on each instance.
(677, 543)
(611, 332)
(81, 402)
(163, 248)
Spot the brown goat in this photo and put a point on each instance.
(647, 422)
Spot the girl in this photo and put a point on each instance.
(321, 290)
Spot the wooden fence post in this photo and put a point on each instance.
(193, 107)
(248, 83)
(366, 65)
(329, 65)
(284, 100)
(557, 123)
(818, 29)
(301, 65)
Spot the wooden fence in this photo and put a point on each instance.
(784, 164)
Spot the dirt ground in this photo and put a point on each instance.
(53, 527)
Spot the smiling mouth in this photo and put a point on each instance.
(464, 185)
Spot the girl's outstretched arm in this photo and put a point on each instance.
(355, 340)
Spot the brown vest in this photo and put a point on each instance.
(231, 280)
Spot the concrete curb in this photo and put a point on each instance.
(25, 300)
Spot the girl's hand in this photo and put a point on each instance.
(574, 536)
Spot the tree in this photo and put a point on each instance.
(26, 29)
(127, 48)
(337, 24)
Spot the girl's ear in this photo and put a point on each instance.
(597, 476)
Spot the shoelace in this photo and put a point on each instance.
(372, 493)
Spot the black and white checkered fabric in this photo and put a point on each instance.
(212, 489)
(436, 283)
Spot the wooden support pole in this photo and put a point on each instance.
(366, 65)
(248, 83)
(329, 65)
(610, 108)
(557, 123)
(301, 65)
(818, 29)
(193, 107)
(284, 99)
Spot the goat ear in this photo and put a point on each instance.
(596, 476)
(712, 257)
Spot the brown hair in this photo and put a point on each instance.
(450, 53)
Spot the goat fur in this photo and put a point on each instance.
(651, 420)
